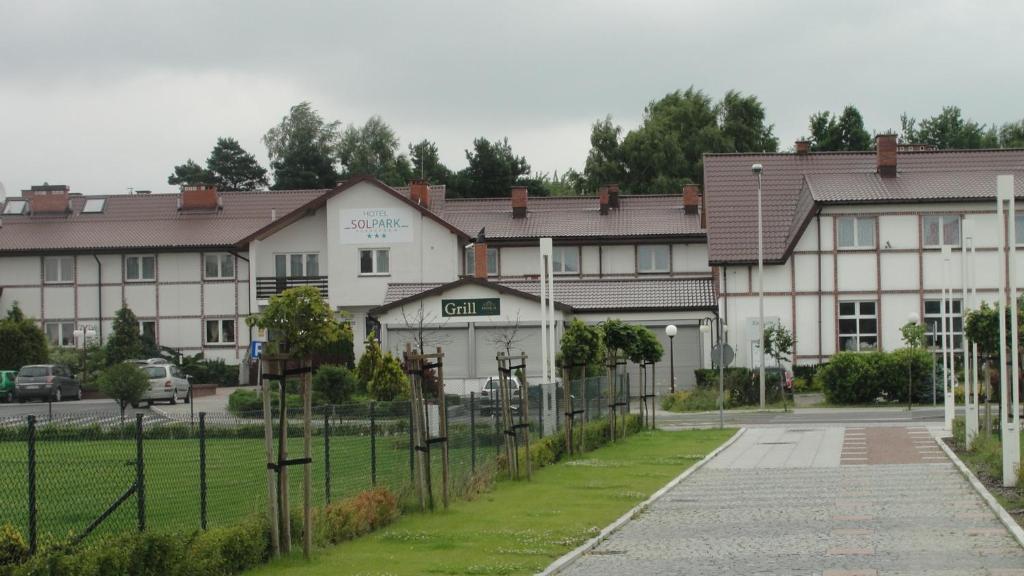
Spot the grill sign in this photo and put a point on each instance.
(376, 226)
(471, 307)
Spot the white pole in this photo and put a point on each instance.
(947, 368)
(974, 352)
(543, 311)
(760, 285)
(1001, 309)
(552, 325)
(970, 394)
(1011, 439)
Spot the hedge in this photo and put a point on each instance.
(863, 377)
(742, 385)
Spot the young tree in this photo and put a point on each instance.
(389, 381)
(233, 168)
(301, 150)
(844, 132)
(913, 334)
(373, 149)
(778, 343)
(189, 174)
(125, 342)
(23, 341)
(368, 362)
(581, 345)
(301, 322)
(125, 383)
(335, 384)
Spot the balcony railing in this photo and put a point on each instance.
(267, 286)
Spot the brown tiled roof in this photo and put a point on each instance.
(589, 295)
(149, 221)
(574, 217)
(793, 185)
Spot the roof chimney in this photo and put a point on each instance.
(613, 196)
(602, 199)
(885, 149)
(48, 199)
(691, 198)
(199, 197)
(520, 197)
(803, 147)
(419, 193)
(480, 255)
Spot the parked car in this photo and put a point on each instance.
(489, 395)
(166, 383)
(7, 385)
(46, 382)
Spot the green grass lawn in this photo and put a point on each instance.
(519, 527)
(78, 479)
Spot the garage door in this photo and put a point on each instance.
(489, 341)
(454, 342)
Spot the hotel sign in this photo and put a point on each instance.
(376, 226)
(471, 307)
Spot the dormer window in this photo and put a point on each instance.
(15, 207)
(94, 206)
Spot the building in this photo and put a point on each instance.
(852, 240)
(406, 263)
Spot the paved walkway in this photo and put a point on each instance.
(829, 501)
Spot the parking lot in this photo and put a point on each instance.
(73, 411)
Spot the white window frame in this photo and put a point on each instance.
(558, 262)
(933, 322)
(859, 334)
(94, 205)
(60, 279)
(65, 333)
(222, 274)
(650, 267)
(942, 218)
(304, 259)
(15, 207)
(492, 258)
(375, 260)
(220, 339)
(141, 258)
(859, 243)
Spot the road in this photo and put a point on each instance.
(82, 412)
(734, 418)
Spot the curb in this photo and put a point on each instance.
(1016, 531)
(562, 563)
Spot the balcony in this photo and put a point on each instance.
(267, 286)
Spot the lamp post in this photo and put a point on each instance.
(948, 376)
(915, 319)
(670, 331)
(757, 169)
(1009, 389)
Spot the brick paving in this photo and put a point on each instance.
(822, 501)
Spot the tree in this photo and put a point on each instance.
(125, 383)
(742, 121)
(647, 349)
(302, 148)
(233, 168)
(778, 343)
(372, 149)
(369, 361)
(426, 163)
(125, 342)
(844, 132)
(190, 174)
(389, 381)
(23, 341)
(604, 161)
(492, 171)
(913, 334)
(1011, 135)
(619, 336)
(948, 130)
(334, 384)
(581, 345)
(300, 321)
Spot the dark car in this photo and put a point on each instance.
(46, 382)
(7, 385)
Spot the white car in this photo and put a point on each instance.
(166, 383)
(489, 394)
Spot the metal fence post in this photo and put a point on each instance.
(412, 447)
(373, 443)
(202, 470)
(472, 431)
(32, 512)
(540, 411)
(327, 456)
(140, 474)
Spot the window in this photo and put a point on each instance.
(1018, 227)
(147, 329)
(933, 323)
(856, 232)
(652, 258)
(492, 261)
(941, 231)
(858, 326)
(293, 265)
(15, 207)
(218, 266)
(94, 205)
(139, 268)
(58, 269)
(374, 261)
(220, 331)
(566, 260)
(60, 333)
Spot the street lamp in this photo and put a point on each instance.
(913, 318)
(757, 169)
(670, 331)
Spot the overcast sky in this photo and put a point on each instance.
(103, 96)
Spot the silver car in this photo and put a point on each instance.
(166, 383)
